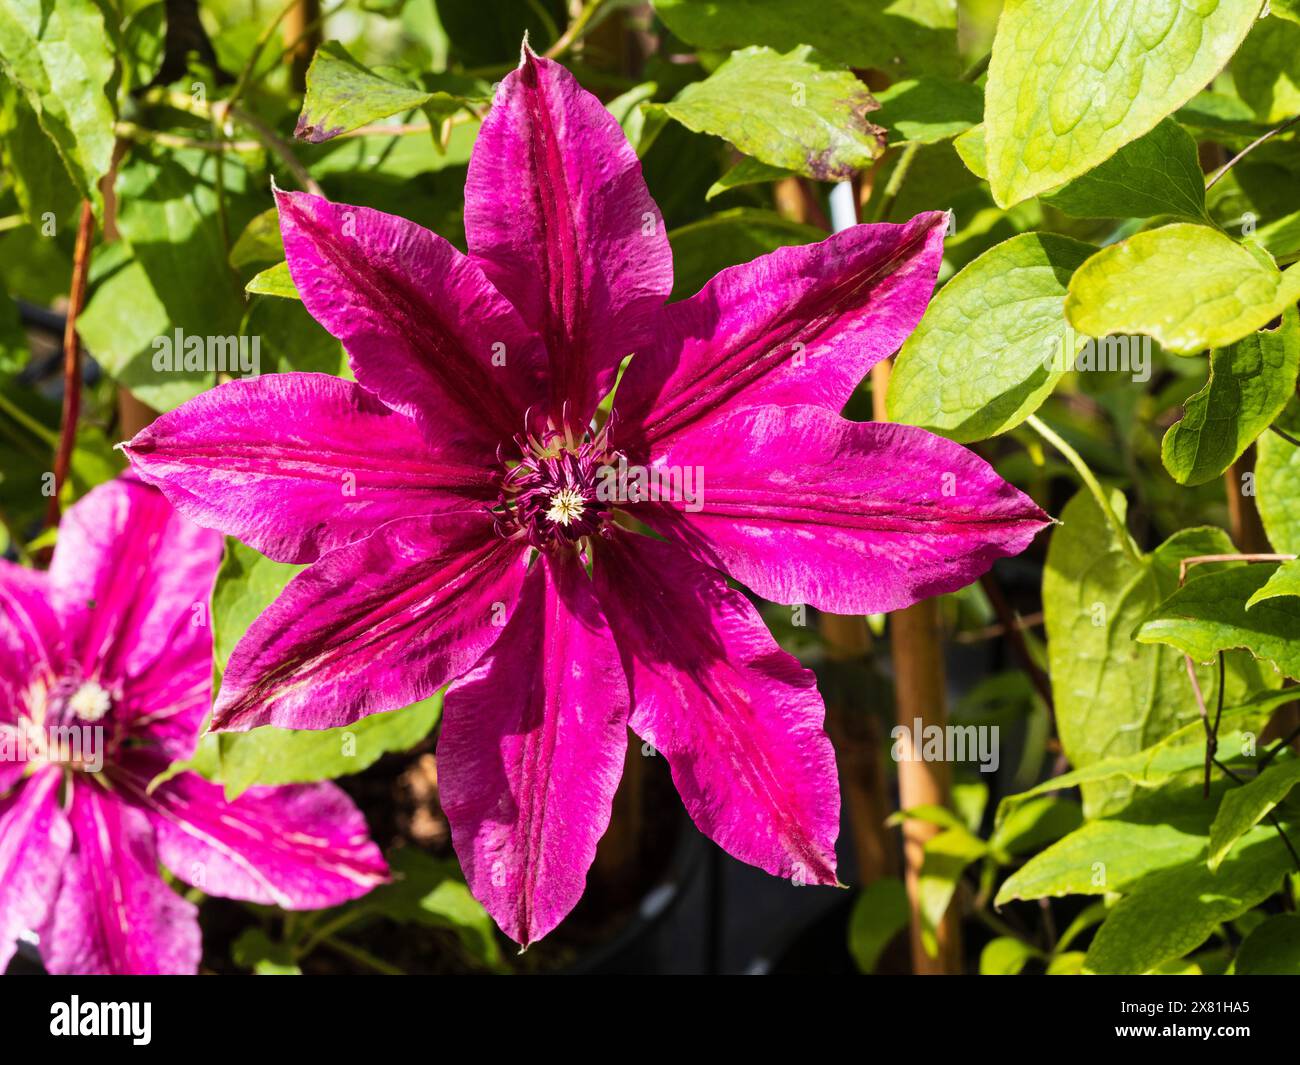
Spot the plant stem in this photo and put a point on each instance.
(570, 36)
(1285, 436)
(1218, 174)
(72, 358)
(363, 957)
(896, 179)
(1090, 482)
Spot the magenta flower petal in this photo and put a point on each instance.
(531, 751)
(114, 913)
(34, 842)
(558, 215)
(375, 625)
(301, 846)
(31, 639)
(739, 720)
(424, 329)
(127, 576)
(298, 464)
(802, 325)
(803, 506)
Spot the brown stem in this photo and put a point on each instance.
(301, 29)
(920, 694)
(1243, 516)
(859, 751)
(72, 358)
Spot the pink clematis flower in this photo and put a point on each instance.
(450, 502)
(105, 679)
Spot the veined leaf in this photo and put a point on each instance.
(1115, 696)
(1266, 69)
(1005, 956)
(1208, 615)
(1188, 286)
(1072, 81)
(1285, 581)
(1174, 911)
(746, 172)
(890, 35)
(1157, 174)
(985, 355)
(1244, 807)
(1158, 830)
(796, 110)
(59, 53)
(1277, 490)
(343, 95)
(1250, 383)
(946, 857)
(273, 281)
(927, 110)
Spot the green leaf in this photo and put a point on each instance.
(982, 358)
(274, 281)
(1266, 71)
(1250, 383)
(431, 892)
(1281, 238)
(1277, 489)
(41, 183)
(1072, 81)
(946, 857)
(927, 110)
(1157, 174)
(60, 53)
(1178, 752)
(1286, 9)
(1273, 947)
(702, 248)
(342, 95)
(260, 243)
(1209, 614)
(887, 34)
(1244, 807)
(880, 912)
(1036, 823)
(177, 277)
(289, 338)
(746, 172)
(798, 111)
(1155, 831)
(1174, 911)
(973, 149)
(246, 585)
(1285, 581)
(1190, 287)
(270, 755)
(1005, 956)
(254, 949)
(1114, 696)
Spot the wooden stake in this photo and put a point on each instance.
(919, 685)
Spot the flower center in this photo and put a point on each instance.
(90, 702)
(552, 495)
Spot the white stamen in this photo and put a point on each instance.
(90, 702)
(566, 506)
